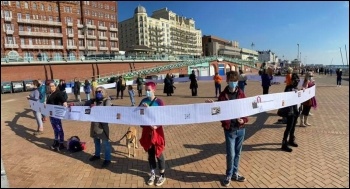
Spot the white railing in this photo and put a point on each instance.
(40, 34)
(113, 38)
(9, 31)
(102, 37)
(80, 25)
(92, 48)
(91, 26)
(19, 20)
(11, 45)
(102, 28)
(114, 49)
(91, 36)
(70, 35)
(81, 48)
(80, 36)
(41, 46)
(103, 48)
(8, 18)
(113, 29)
(71, 47)
(70, 24)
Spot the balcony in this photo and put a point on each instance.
(9, 32)
(71, 35)
(113, 38)
(91, 36)
(103, 48)
(11, 46)
(92, 48)
(41, 22)
(80, 25)
(91, 26)
(114, 49)
(8, 19)
(41, 46)
(102, 28)
(71, 47)
(41, 34)
(102, 37)
(70, 24)
(113, 29)
(81, 48)
(81, 36)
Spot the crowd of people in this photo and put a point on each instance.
(152, 138)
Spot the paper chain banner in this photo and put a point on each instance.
(177, 114)
(279, 79)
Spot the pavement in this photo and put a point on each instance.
(195, 153)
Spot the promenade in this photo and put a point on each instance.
(195, 153)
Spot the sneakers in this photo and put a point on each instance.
(160, 181)
(151, 179)
(226, 182)
(54, 145)
(238, 178)
(93, 158)
(105, 163)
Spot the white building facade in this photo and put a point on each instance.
(165, 32)
(267, 56)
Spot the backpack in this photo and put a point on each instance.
(74, 144)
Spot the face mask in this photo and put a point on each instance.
(149, 94)
(232, 84)
(99, 96)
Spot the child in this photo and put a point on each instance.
(132, 95)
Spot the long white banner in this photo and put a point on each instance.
(177, 114)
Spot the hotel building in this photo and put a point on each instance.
(58, 30)
(164, 32)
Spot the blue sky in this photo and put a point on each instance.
(320, 28)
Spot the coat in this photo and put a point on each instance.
(168, 86)
(76, 88)
(193, 84)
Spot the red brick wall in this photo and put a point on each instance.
(69, 71)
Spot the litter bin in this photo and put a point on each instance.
(17, 86)
(6, 87)
(28, 85)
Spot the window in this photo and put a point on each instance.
(34, 6)
(36, 29)
(51, 30)
(18, 4)
(49, 8)
(78, 11)
(42, 7)
(28, 16)
(50, 18)
(22, 41)
(5, 3)
(56, 8)
(26, 5)
(20, 28)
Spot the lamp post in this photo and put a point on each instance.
(298, 52)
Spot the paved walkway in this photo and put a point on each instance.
(195, 154)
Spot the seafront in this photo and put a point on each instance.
(195, 154)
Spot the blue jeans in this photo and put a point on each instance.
(234, 140)
(241, 85)
(217, 88)
(87, 96)
(107, 147)
(57, 129)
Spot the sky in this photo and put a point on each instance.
(320, 28)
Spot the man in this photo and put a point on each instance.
(234, 130)
(193, 84)
(217, 81)
(76, 89)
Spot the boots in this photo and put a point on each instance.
(292, 142)
(285, 146)
(54, 145)
(302, 120)
(305, 121)
(60, 147)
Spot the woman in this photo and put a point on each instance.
(152, 138)
(62, 86)
(98, 130)
(308, 82)
(56, 98)
(266, 78)
(193, 84)
(35, 96)
(76, 89)
(339, 73)
(120, 86)
(242, 81)
(288, 80)
(87, 89)
(139, 82)
(94, 85)
(168, 85)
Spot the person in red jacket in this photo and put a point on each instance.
(152, 138)
(234, 130)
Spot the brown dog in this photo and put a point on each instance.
(131, 139)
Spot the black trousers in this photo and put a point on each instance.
(140, 93)
(121, 93)
(152, 159)
(291, 122)
(306, 110)
(266, 89)
(194, 91)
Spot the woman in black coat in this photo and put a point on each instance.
(193, 84)
(168, 85)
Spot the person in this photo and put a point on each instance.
(131, 95)
(35, 96)
(42, 91)
(87, 89)
(306, 106)
(266, 78)
(139, 82)
(120, 86)
(288, 80)
(56, 98)
(98, 130)
(339, 73)
(193, 84)
(152, 139)
(331, 71)
(292, 116)
(168, 85)
(242, 81)
(94, 85)
(234, 130)
(62, 87)
(217, 82)
(76, 89)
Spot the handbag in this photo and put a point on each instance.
(283, 112)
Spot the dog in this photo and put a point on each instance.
(131, 139)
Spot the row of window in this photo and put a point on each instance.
(100, 14)
(99, 5)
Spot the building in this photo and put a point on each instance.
(58, 30)
(267, 56)
(164, 32)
